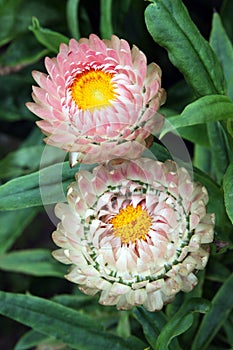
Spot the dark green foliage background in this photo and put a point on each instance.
(193, 46)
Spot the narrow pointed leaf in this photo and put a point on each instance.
(226, 15)
(197, 292)
(72, 18)
(74, 301)
(202, 157)
(228, 191)
(215, 205)
(170, 26)
(219, 152)
(106, 19)
(36, 262)
(50, 39)
(228, 326)
(206, 109)
(123, 327)
(64, 324)
(181, 321)
(223, 48)
(152, 325)
(165, 337)
(29, 340)
(222, 305)
(26, 191)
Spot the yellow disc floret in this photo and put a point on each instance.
(93, 89)
(131, 223)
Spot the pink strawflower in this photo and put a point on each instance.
(99, 100)
(136, 232)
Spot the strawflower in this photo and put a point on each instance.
(136, 231)
(99, 100)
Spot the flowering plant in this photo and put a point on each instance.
(116, 229)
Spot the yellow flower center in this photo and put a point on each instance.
(131, 223)
(93, 89)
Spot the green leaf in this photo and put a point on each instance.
(228, 326)
(215, 204)
(123, 327)
(78, 301)
(29, 340)
(107, 316)
(152, 325)
(12, 224)
(160, 152)
(202, 157)
(230, 127)
(223, 48)
(196, 292)
(64, 324)
(165, 337)
(50, 39)
(222, 305)
(228, 191)
(26, 191)
(36, 262)
(74, 301)
(226, 14)
(106, 29)
(206, 109)
(219, 150)
(35, 340)
(181, 321)
(194, 133)
(171, 27)
(72, 18)
(172, 308)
